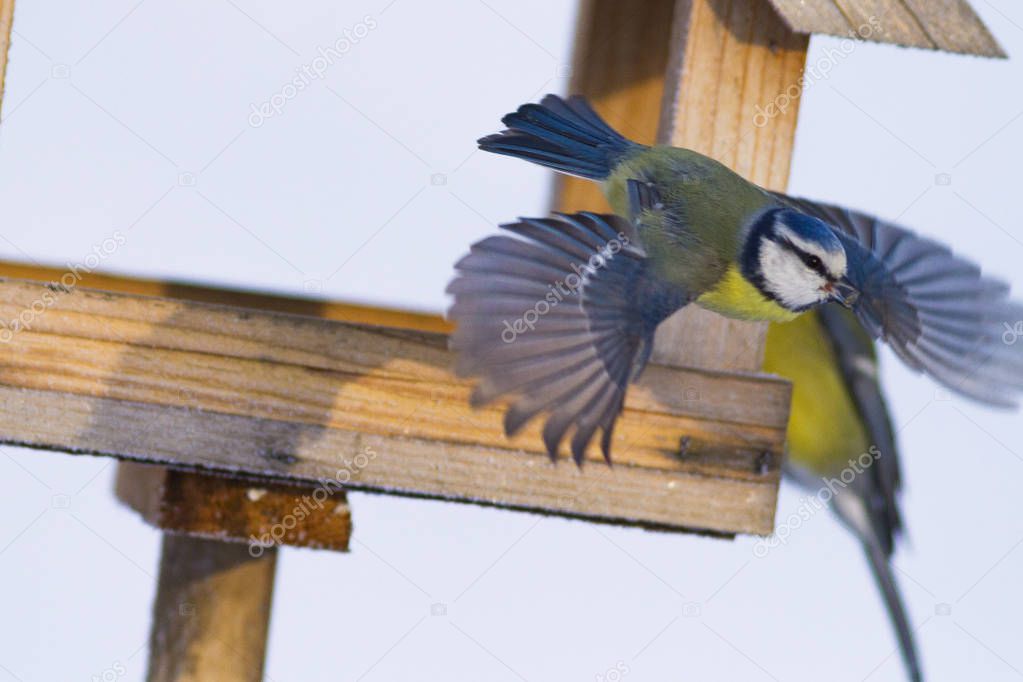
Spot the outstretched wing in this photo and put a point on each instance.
(936, 310)
(562, 315)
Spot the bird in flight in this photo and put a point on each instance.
(561, 311)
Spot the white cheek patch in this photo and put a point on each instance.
(785, 276)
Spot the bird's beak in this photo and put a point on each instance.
(844, 292)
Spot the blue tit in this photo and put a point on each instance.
(839, 423)
(562, 311)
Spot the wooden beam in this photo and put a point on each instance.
(619, 63)
(6, 21)
(303, 399)
(701, 74)
(949, 25)
(188, 291)
(215, 507)
(212, 612)
(732, 60)
(170, 499)
(953, 26)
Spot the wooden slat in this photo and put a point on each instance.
(215, 507)
(187, 291)
(894, 21)
(949, 25)
(6, 20)
(955, 27)
(733, 58)
(813, 16)
(731, 61)
(721, 59)
(227, 511)
(619, 61)
(289, 397)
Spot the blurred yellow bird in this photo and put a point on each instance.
(838, 421)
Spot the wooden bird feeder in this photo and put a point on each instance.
(234, 408)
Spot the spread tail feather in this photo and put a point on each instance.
(566, 135)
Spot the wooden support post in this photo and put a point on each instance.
(6, 17)
(212, 611)
(220, 540)
(718, 76)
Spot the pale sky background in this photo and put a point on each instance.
(112, 109)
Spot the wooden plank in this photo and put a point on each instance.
(6, 22)
(619, 61)
(186, 291)
(300, 369)
(733, 90)
(953, 26)
(230, 514)
(813, 16)
(212, 612)
(236, 510)
(165, 497)
(297, 398)
(696, 71)
(894, 21)
(949, 25)
(731, 60)
(681, 498)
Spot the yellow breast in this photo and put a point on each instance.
(734, 296)
(825, 430)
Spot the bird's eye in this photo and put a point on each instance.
(814, 263)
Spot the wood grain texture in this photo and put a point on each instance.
(813, 16)
(6, 23)
(619, 61)
(220, 507)
(953, 26)
(720, 63)
(733, 91)
(895, 21)
(949, 25)
(212, 612)
(186, 291)
(236, 510)
(288, 397)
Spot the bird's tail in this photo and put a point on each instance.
(566, 135)
(882, 570)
